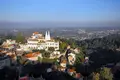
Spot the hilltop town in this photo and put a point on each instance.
(38, 56)
(38, 49)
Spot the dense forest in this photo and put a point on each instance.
(99, 47)
(108, 42)
(101, 52)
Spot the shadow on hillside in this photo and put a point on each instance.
(36, 70)
(99, 58)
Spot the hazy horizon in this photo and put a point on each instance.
(55, 24)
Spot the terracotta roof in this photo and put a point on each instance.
(35, 54)
(36, 32)
(71, 70)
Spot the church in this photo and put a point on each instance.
(39, 41)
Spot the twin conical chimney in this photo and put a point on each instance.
(47, 35)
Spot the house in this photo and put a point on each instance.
(9, 44)
(63, 65)
(10, 54)
(33, 56)
(71, 71)
(23, 47)
(76, 50)
(71, 58)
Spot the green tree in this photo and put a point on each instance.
(42, 51)
(96, 76)
(20, 38)
(72, 43)
(56, 62)
(1, 41)
(46, 54)
(63, 45)
(106, 74)
(35, 50)
(51, 49)
(39, 59)
(79, 58)
(83, 49)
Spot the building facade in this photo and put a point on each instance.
(38, 41)
(9, 44)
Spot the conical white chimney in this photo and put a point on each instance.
(47, 35)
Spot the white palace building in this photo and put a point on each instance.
(38, 41)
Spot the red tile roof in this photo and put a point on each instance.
(36, 32)
(35, 54)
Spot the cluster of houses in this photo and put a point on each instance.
(10, 49)
(9, 44)
(36, 42)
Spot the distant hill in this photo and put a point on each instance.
(109, 42)
(26, 25)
